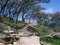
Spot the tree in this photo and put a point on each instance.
(55, 15)
(34, 13)
(32, 3)
(56, 21)
(19, 6)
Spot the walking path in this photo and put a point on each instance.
(27, 38)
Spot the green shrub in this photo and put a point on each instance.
(12, 24)
(1, 31)
(53, 41)
(40, 31)
(57, 29)
(52, 25)
(31, 29)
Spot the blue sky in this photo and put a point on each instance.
(52, 6)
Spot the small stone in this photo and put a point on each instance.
(1, 44)
(16, 43)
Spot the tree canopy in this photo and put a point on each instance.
(13, 8)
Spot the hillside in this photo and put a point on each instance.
(10, 29)
(24, 33)
(25, 37)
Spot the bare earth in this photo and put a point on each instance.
(27, 40)
(32, 40)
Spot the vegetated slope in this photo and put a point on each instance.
(27, 38)
(23, 34)
(2, 27)
(12, 23)
(39, 31)
(46, 33)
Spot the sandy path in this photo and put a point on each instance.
(27, 40)
(32, 40)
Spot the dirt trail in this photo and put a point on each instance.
(27, 38)
(30, 40)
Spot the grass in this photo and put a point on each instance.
(17, 26)
(40, 31)
(2, 27)
(31, 29)
(12, 24)
(53, 41)
(1, 31)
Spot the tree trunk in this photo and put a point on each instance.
(23, 17)
(9, 13)
(29, 20)
(17, 19)
(3, 6)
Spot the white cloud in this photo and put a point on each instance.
(50, 10)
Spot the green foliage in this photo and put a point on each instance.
(40, 31)
(55, 15)
(52, 25)
(17, 26)
(53, 41)
(31, 29)
(12, 24)
(1, 31)
(57, 29)
(2, 27)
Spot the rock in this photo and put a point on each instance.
(3, 26)
(2, 35)
(46, 36)
(16, 43)
(57, 35)
(9, 44)
(1, 44)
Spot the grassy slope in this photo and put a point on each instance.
(42, 32)
(12, 24)
(8, 22)
(38, 29)
(53, 41)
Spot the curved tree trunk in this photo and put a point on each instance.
(23, 17)
(17, 19)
